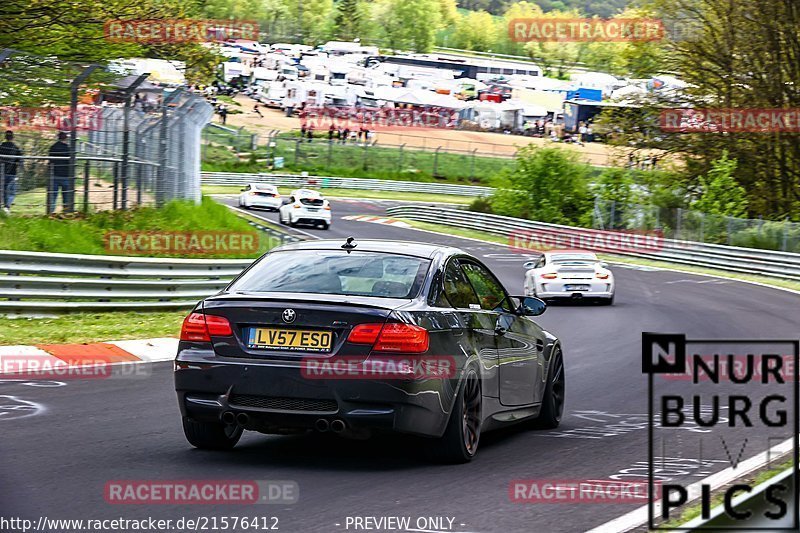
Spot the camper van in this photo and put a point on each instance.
(271, 94)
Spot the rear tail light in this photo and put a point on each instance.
(297, 206)
(198, 327)
(393, 337)
(550, 276)
(327, 208)
(601, 276)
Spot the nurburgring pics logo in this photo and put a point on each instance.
(148, 31)
(200, 492)
(580, 239)
(730, 120)
(181, 242)
(364, 367)
(735, 407)
(525, 30)
(87, 118)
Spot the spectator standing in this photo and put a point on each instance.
(61, 176)
(8, 170)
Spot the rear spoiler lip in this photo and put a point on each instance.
(374, 302)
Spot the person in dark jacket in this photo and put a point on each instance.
(8, 171)
(61, 176)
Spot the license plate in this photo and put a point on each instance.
(312, 209)
(576, 287)
(290, 339)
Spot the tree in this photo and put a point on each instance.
(546, 184)
(720, 194)
(475, 31)
(408, 23)
(313, 19)
(349, 19)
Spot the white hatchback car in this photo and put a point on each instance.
(575, 275)
(305, 206)
(260, 195)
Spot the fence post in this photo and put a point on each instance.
(702, 227)
(472, 165)
(73, 127)
(400, 158)
(730, 229)
(330, 152)
(115, 173)
(297, 151)
(785, 239)
(436, 161)
(126, 132)
(678, 221)
(365, 165)
(86, 186)
(612, 218)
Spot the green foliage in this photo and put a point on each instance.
(546, 184)
(720, 193)
(84, 234)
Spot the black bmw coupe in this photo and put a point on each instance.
(356, 337)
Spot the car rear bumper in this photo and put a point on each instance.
(308, 218)
(561, 289)
(272, 203)
(276, 397)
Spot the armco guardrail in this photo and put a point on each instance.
(294, 180)
(742, 260)
(33, 282)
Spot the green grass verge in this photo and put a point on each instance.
(359, 193)
(86, 234)
(90, 327)
(773, 282)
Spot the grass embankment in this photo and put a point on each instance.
(77, 233)
(90, 327)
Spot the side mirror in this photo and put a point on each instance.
(603, 265)
(530, 306)
(285, 201)
(529, 265)
(242, 190)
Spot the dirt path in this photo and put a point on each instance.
(488, 144)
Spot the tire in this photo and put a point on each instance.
(326, 225)
(280, 219)
(608, 301)
(459, 444)
(211, 435)
(553, 400)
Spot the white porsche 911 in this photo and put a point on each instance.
(574, 275)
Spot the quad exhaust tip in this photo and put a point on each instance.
(337, 426)
(242, 419)
(228, 417)
(321, 425)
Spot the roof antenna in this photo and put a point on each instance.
(349, 245)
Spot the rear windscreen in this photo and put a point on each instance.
(336, 272)
(312, 201)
